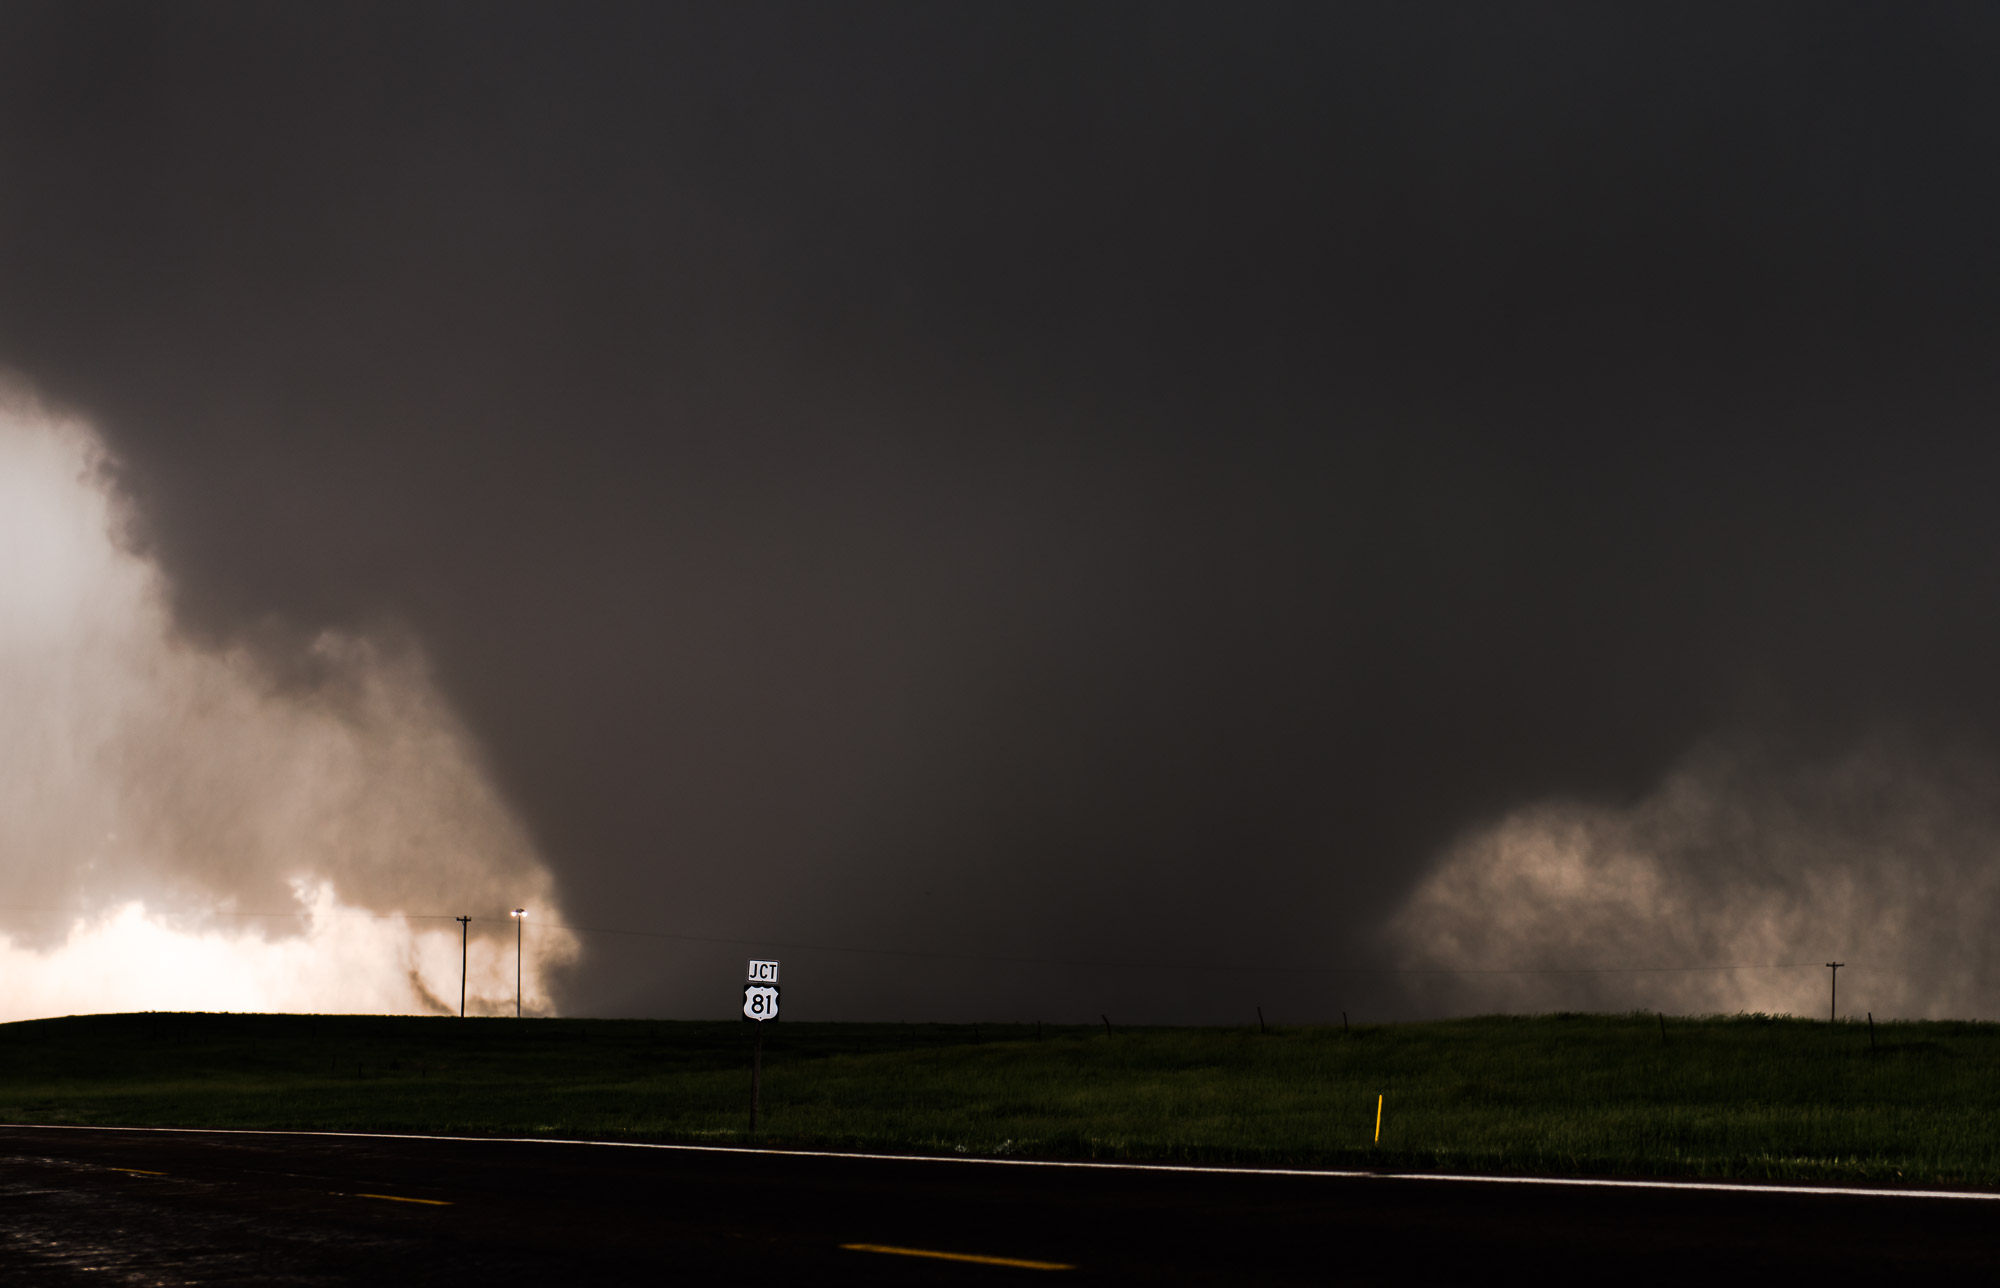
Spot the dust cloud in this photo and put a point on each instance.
(183, 828)
(1882, 857)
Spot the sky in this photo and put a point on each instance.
(1038, 511)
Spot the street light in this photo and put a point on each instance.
(520, 914)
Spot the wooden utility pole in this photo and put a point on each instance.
(1835, 995)
(520, 916)
(464, 925)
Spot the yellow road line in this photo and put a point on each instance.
(397, 1198)
(1016, 1262)
(138, 1170)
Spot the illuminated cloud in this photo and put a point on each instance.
(1884, 859)
(182, 829)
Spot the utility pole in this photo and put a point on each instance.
(520, 915)
(1835, 995)
(464, 928)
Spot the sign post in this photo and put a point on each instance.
(760, 1003)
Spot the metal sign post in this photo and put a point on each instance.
(760, 1003)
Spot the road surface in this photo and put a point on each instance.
(140, 1207)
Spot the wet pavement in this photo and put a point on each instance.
(108, 1207)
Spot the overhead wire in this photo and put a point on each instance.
(1265, 968)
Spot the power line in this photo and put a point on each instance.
(1263, 968)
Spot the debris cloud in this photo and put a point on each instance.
(1725, 888)
(182, 827)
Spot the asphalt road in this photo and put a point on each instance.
(107, 1207)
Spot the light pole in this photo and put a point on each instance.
(520, 915)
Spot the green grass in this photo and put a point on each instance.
(1746, 1096)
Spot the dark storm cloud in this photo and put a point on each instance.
(1068, 482)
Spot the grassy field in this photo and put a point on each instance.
(1746, 1096)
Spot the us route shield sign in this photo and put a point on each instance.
(760, 1002)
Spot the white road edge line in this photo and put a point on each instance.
(1077, 1164)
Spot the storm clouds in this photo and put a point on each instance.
(1040, 511)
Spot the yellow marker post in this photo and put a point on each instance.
(1378, 1120)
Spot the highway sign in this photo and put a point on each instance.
(760, 1002)
(763, 972)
